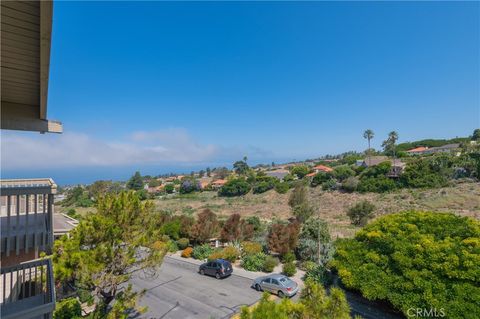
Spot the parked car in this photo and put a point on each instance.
(219, 268)
(277, 284)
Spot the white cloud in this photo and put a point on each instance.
(28, 150)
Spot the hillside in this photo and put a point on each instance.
(462, 198)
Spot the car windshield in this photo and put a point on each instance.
(285, 281)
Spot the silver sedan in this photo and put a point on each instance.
(277, 284)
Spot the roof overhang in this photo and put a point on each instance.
(25, 52)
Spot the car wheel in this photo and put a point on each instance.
(202, 272)
(258, 288)
(217, 275)
(281, 294)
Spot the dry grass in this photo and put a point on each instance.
(462, 199)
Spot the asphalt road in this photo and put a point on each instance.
(180, 292)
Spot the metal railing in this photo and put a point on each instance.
(27, 290)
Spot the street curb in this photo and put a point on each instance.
(186, 260)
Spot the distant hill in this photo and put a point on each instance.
(430, 143)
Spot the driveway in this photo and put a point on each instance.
(180, 292)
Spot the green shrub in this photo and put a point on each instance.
(360, 213)
(270, 263)
(234, 187)
(330, 185)
(172, 246)
(282, 187)
(67, 309)
(187, 252)
(289, 269)
(379, 184)
(202, 252)
(415, 260)
(171, 229)
(251, 248)
(318, 273)
(320, 178)
(254, 262)
(350, 184)
(183, 243)
(288, 257)
(343, 172)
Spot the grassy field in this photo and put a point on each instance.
(462, 199)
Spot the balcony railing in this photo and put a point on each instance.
(26, 213)
(27, 290)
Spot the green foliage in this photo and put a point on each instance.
(361, 212)
(234, 187)
(320, 178)
(67, 309)
(429, 172)
(78, 197)
(343, 172)
(314, 304)
(241, 167)
(430, 143)
(102, 249)
(330, 185)
(302, 212)
(289, 269)
(135, 182)
(183, 243)
(298, 196)
(379, 184)
(476, 135)
(202, 252)
(318, 273)
(350, 184)
(169, 188)
(264, 184)
(288, 257)
(270, 263)
(416, 260)
(73, 213)
(300, 171)
(142, 194)
(282, 187)
(254, 262)
(171, 229)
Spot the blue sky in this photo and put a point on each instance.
(172, 86)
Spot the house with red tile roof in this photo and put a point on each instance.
(311, 174)
(417, 150)
(218, 183)
(322, 168)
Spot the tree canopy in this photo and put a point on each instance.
(416, 260)
(106, 248)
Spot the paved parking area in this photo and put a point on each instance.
(180, 292)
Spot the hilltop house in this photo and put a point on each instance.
(279, 173)
(424, 150)
(322, 168)
(397, 165)
(218, 183)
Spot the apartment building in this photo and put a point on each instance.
(26, 205)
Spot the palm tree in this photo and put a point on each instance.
(368, 134)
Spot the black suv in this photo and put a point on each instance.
(219, 268)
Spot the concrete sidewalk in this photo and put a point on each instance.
(238, 271)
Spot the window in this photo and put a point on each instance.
(209, 264)
(267, 281)
(275, 282)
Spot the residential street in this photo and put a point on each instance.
(180, 292)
